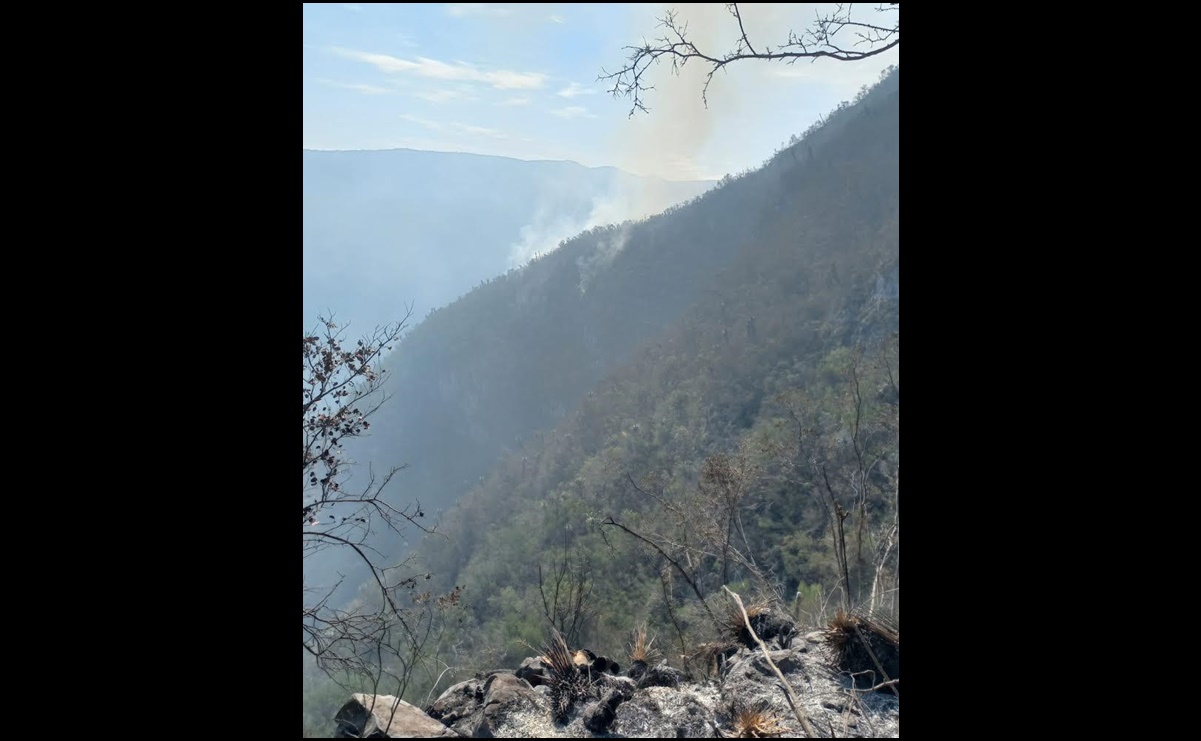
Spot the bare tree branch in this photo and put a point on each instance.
(382, 636)
(567, 606)
(823, 39)
(695, 589)
(792, 700)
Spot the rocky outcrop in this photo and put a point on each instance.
(506, 697)
(384, 716)
(742, 697)
(460, 707)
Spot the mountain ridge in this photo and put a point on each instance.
(605, 168)
(373, 219)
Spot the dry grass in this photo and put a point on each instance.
(732, 626)
(641, 649)
(712, 656)
(756, 721)
(840, 632)
(863, 644)
(556, 656)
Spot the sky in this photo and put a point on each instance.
(520, 80)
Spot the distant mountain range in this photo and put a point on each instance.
(387, 228)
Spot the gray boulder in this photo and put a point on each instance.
(460, 706)
(384, 716)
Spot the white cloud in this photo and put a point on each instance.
(454, 126)
(515, 101)
(445, 96)
(555, 18)
(421, 121)
(575, 89)
(363, 88)
(506, 80)
(573, 111)
(460, 71)
(462, 10)
(479, 131)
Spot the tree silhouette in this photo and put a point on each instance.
(845, 35)
(378, 635)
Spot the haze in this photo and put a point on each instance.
(386, 231)
(520, 81)
(625, 330)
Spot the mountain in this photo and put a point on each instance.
(509, 360)
(383, 229)
(659, 408)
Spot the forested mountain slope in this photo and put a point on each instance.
(477, 378)
(776, 390)
(707, 397)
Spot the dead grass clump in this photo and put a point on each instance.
(756, 721)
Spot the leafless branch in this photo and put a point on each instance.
(882, 685)
(840, 541)
(381, 636)
(687, 577)
(570, 587)
(665, 582)
(822, 39)
(792, 700)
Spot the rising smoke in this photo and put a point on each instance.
(627, 199)
(606, 250)
(663, 146)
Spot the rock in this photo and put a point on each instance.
(636, 670)
(660, 676)
(533, 671)
(600, 714)
(385, 716)
(657, 701)
(661, 712)
(624, 685)
(505, 694)
(755, 663)
(460, 706)
(613, 691)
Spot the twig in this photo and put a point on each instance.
(792, 700)
(663, 576)
(882, 685)
(610, 521)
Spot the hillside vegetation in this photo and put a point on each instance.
(659, 408)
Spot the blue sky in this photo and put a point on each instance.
(519, 80)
